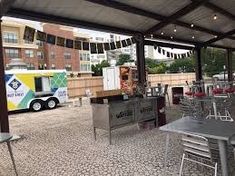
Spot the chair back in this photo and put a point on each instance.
(189, 107)
(196, 145)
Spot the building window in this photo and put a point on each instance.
(29, 53)
(85, 67)
(30, 66)
(68, 67)
(28, 42)
(53, 66)
(84, 56)
(10, 37)
(67, 55)
(52, 55)
(12, 53)
(39, 43)
(40, 55)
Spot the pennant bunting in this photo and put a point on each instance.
(100, 48)
(128, 41)
(118, 44)
(163, 51)
(159, 50)
(172, 55)
(106, 46)
(51, 39)
(167, 54)
(112, 46)
(78, 44)
(93, 48)
(175, 56)
(60, 41)
(188, 54)
(41, 36)
(69, 43)
(155, 47)
(29, 34)
(85, 46)
(124, 44)
(133, 40)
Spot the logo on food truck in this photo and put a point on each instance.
(14, 84)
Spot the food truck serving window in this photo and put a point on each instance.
(42, 84)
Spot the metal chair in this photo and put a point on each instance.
(6, 137)
(189, 107)
(197, 147)
(220, 109)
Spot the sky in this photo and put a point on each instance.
(37, 25)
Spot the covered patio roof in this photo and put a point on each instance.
(198, 22)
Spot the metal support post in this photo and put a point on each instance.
(4, 122)
(140, 60)
(198, 64)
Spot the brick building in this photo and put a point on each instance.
(15, 47)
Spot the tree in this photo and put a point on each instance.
(97, 69)
(154, 67)
(123, 58)
(150, 63)
(213, 61)
(182, 65)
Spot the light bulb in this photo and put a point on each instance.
(171, 37)
(192, 25)
(215, 17)
(215, 36)
(162, 33)
(193, 37)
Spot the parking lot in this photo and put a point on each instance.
(60, 142)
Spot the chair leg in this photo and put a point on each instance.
(216, 167)
(181, 165)
(11, 155)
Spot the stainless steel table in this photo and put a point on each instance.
(6, 137)
(209, 128)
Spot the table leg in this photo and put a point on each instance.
(94, 131)
(166, 151)
(215, 110)
(223, 156)
(110, 142)
(12, 157)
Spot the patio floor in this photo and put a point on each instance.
(60, 143)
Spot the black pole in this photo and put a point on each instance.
(229, 65)
(140, 60)
(198, 64)
(3, 103)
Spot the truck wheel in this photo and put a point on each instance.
(51, 103)
(36, 105)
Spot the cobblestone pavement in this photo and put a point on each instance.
(60, 143)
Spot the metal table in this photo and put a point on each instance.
(6, 137)
(209, 128)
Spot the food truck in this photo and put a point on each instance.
(35, 89)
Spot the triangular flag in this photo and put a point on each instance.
(128, 41)
(60, 41)
(93, 48)
(159, 50)
(133, 40)
(124, 44)
(78, 44)
(41, 36)
(29, 33)
(167, 54)
(85, 46)
(175, 56)
(106, 46)
(112, 46)
(100, 48)
(118, 44)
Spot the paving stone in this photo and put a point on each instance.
(60, 142)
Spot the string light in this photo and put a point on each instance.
(171, 37)
(193, 37)
(175, 29)
(162, 33)
(151, 36)
(215, 36)
(192, 25)
(215, 17)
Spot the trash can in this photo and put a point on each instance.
(177, 93)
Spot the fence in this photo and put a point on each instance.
(78, 87)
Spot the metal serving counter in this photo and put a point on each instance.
(116, 114)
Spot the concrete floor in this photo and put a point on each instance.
(60, 143)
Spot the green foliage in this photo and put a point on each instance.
(154, 67)
(97, 69)
(182, 65)
(213, 61)
(123, 58)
